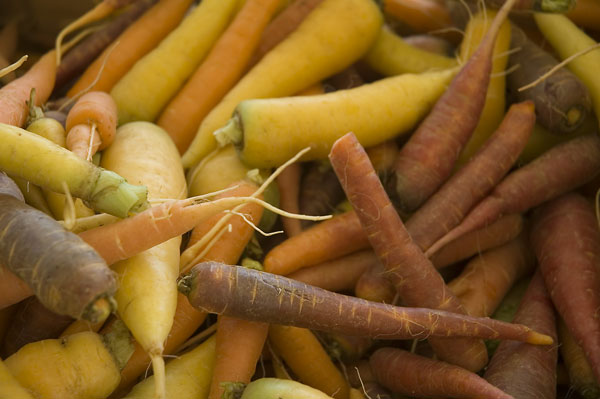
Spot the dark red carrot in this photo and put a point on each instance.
(416, 280)
(470, 184)
(428, 157)
(410, 374)
(566, 241)
(522, 370)
(254, 295)
(374, 286)
(559, 170)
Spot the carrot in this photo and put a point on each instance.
(32, 322)
(420, 15)
(11, 389)
(557, 171)
(374, 286)
(370, 111)
(217, 74)
(13, 288)
(131, 45)
(36, 159)
(431, 43)
(585, 14)
(581, 377)
(416, 280)
(91, 124)
(9, 37)
(536, 5)
(288, 184)
(410, 374)
(282, 26)
(78, 58)
(228, 290)
(392, 55)
(486, 279)
(275, 388)
(313, 52)
(447, 207)
(521, 370)
(338, 275)
(308, 360)
(14, 95)
(427, 158)
(186, 48)
(496, 234)
(320, 190)
(562, 101)
(565, 239)
(74, 281)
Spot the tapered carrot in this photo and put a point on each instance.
(566, 240)
(308, 360)
(446, 208)
(428, 157)
(218, 73)
(557, 171)
(14, 96)
(138, 39)
(288, 184)
(416, 280)
(253, 295)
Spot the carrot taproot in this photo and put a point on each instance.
(28, 236)
(420, 15)
(11, 388)
(79, 57)
(288, 184)
(565, 238)
(486, 279)
(447, 207)
(585, 14)
(557, 171)
(391, 55)
(91, 124)
(303, 353)
(14, 95)
(38, 160)
(282, 26)
(217, 74)
(372, 285)
(223, 289)
(521, 370)
(496, 234)
(339, 274)
(131, 45)
(186, 48)
(581, 377)
(317, 51)
(370, 111)
(427, 158)
(416, 280)
(562, 101)
(275, 388)
(411, 374)
(320, 190)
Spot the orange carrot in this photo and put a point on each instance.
(9, 37)
(426, 160)
(421, 15)
(14, 96)
(416, 280)
(586, 14)
(137, 40)
(282, 25)
(306, 357)
(94, 115)
(288, 183)
(13, 288)
(219, 72)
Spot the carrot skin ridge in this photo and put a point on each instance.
(566, 240)
(523, 370)
(254, 295)
(416, 280)
(449, 205)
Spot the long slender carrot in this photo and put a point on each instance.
(14, 96)
(138, 39)
(557, 171)
(253, 295)
(415, 278)
(217, 74)
(427, 159)
(446, 208)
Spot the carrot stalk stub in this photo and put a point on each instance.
(416, 280)
(253, 295)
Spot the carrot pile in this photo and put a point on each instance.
(344, 199)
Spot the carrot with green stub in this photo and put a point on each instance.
(73, 281)
(428, 157)
(557, 171)
(253, 295)
(416, 280)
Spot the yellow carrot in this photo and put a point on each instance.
(10, 387)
